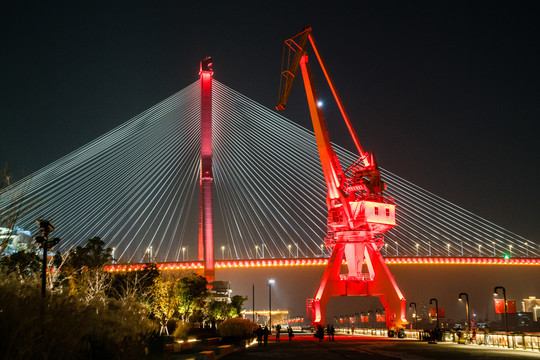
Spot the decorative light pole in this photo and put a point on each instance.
(270, 282)
(466, 309)
(436, 309)
(505, 309)
(222, 252)
(417, 249)
(415, 315)
(46, 228)
(289, 246)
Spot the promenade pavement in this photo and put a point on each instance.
(305, 346)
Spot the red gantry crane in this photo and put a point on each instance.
(358, 212)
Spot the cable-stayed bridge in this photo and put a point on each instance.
(137, 188)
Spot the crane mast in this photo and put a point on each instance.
(358, 212)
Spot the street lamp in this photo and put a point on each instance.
(505, 308)
(183, 253)
(493, 243)
(436, 309)
(466, 309)
(510, 250)
(415, 315)
(46, 228)
(289, 246)
(448, 245)
(222, 252)
(417, 249)
(256, 251)
(397, 249)
(270, 282)
(479, 250)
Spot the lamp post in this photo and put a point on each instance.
(436, 309)
(270, 282)
(222, 252)
(415, 315)
(183, 253)
(448, 246)
(417, 249)
(479, 250)
(505, 309)
(289, 246)
(46, 228)
(466, 309)
(493, 243)
(253, 300)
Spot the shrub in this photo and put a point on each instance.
(69, 328)
(182, 330)
(237, 328)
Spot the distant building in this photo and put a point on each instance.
(532, 305)
(221, 291)
(18, 239)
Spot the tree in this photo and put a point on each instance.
(192, 293)
(137, 285)
(24, 264)
(165, 301)
(237, 301)
(84, 270)
(92, 256)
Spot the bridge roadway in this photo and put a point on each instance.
(305, 346)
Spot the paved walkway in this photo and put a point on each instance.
(368, 348)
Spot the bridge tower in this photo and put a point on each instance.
(206, 223)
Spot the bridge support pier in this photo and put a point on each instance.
(206, 224)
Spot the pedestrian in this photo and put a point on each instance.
(290, 331)
(278, 329)
(320, 333)
(259, 334)
(266, 332)
(332, 332)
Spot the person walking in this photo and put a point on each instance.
(320, 333)
(332, 332)
(259, 334)
(278, 329)
(266, 332)
(290, 332)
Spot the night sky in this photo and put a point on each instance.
(445, 93)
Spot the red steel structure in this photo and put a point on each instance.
(358, 212)
(206, 227)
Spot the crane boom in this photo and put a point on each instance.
(358, 212)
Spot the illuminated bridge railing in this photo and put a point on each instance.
(231, 264)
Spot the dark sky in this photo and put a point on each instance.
(445, 93)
